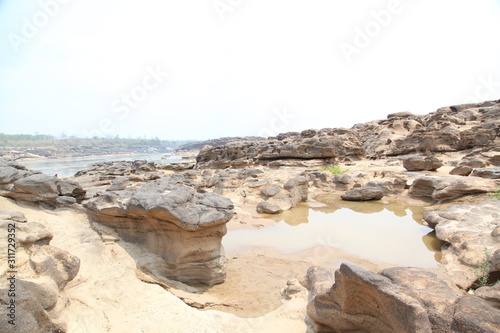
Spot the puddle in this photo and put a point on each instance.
(390, 232)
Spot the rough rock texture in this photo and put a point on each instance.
(421, 163)
(41, 272)
(473, 314)
(362, 301)
(468, 230)
(462, 170)
(19, 183)
(310, 144)
(265, 207)
(172, 220)
(493, 173)
(363, 194)
(397, 299)
(449, 129)
(449, 187)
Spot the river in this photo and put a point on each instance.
(68, 166)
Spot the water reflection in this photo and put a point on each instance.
(391, 232)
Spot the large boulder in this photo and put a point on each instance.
(449, 187)
(174, 221)
(362, 301)
(398, 299)
(363, 194)
(492, 173)
(422, 163)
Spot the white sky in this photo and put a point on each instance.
(231, 70)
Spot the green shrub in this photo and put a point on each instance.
(481, 275)
(334, 169)
(496, 194)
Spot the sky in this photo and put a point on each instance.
(202, 69)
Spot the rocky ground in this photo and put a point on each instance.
(148, 236)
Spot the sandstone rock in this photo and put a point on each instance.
(389, 187)
(492, 173)
(318, 280)
(55, 263)
(270, 191)
(449, 187)
(12, 215)
(44, 289)
(469, 230)
(461, 171)
(491, 294)
(265, 207)
(311, 144)
(35, 188)
(33, 233)
(362, 301)
(421, 163)
(472, 314)
(172, 220)
(434, 294)
(363, 194)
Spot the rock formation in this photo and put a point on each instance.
(397, 300)
(19, 183)
(171, 219)
(472, 127)
(468, 231)
(41, 272)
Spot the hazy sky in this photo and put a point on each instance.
(204, 69)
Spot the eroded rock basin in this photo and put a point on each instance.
(390, 232)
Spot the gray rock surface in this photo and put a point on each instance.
(422, 163)
(174, 221)
(449, 187)
(363, 194)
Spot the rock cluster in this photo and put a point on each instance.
(171, 219)
(398, 300)
(468, 231)
(42, 271)
(473, 127)
(19, 183)
(310, 144)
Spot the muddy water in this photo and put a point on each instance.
(388, 232)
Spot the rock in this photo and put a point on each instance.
(362, 301)
(469, 230)
(12, 215)
(420, 163)
(270, 191)
(33, 233)
(434, 294)
(461, 171)
(298, 188)
(265, 207)
(35, 188)
(491, 294)
(363, 194)
(473, 163)
(70, 188)
(472, 314)
(389, 187)
(449, 187)
(492, 173)
(293, 289)
(41, 272)
(318, 280)
(311, 144)
(55, 263)
(172, 220)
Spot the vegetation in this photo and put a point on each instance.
(48, 145)
(481, 275)
(496, 194)
(334, 169)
